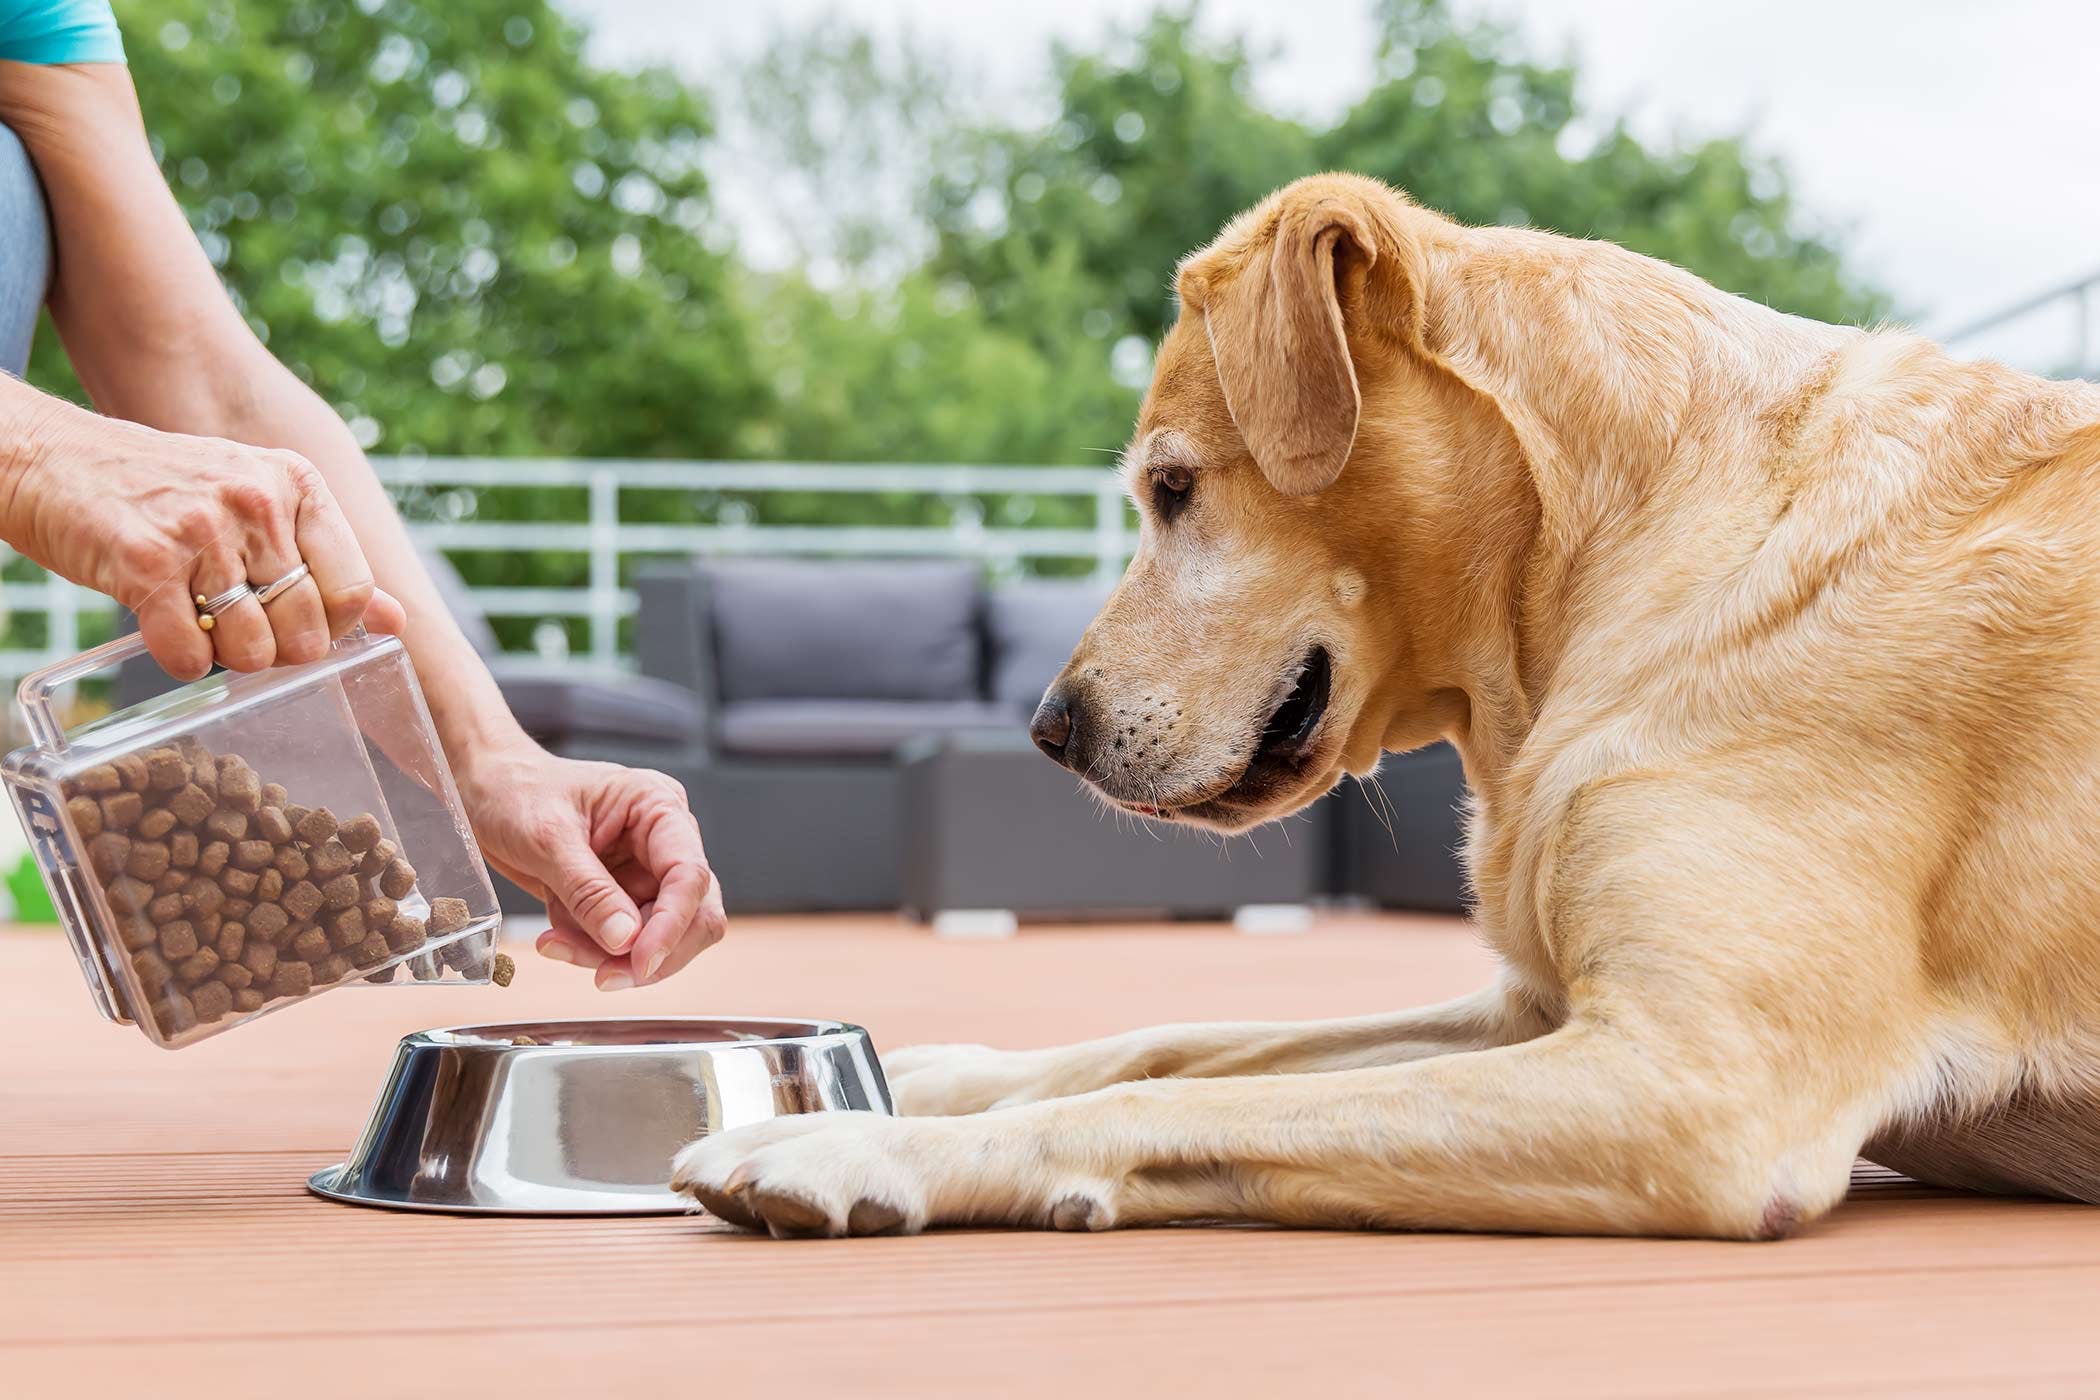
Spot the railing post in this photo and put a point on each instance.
(605, 566)
(1108, 529)
(62, 617)
(2082, 327)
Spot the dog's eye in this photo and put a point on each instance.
(1170, 489)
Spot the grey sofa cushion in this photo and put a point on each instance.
(845, 630)
(1034, 625)
(558, 704)
(848, 728)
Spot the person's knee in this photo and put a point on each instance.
(25, 232)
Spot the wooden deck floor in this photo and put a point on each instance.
(156, 1239)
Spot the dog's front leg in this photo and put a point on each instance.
(954, 1079)
(1739, 1020)
(1586, 1130)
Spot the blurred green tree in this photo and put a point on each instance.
(467, 237)
(1160, 139)
(472, 239)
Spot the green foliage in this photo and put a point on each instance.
(471, 239)
(1468, 126)
(1159, 141)
(468, 238)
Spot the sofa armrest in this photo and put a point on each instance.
(674, 633)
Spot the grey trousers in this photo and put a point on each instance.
(25, 252)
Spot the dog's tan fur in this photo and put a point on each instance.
(1773, 652)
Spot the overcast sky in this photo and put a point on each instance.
(1957, 145)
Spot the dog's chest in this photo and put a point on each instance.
(1503, 877)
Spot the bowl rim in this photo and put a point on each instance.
(479, 1036)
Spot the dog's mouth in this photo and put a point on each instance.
(1288, 734)
(1282, 753)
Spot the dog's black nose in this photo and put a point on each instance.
(1052, 727)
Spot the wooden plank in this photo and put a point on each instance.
(154, 1230)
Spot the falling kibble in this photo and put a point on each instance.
(505, 969)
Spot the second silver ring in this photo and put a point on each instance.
(269, 592)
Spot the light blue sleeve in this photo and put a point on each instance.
(59, 31)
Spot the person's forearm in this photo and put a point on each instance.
(465, 703)
(26, 416)
(155, 340)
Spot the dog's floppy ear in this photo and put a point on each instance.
(1277, 335)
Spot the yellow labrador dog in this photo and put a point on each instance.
(1773, 652)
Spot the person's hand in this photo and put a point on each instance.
(153, 519)
(613, 851)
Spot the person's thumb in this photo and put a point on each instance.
(591, 895)
(385, 613)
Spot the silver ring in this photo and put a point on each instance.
(269, 592)
(214, 606)
(208, 609)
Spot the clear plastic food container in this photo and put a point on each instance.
(249, 841)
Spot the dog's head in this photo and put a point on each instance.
(1286, 466)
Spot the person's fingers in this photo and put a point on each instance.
(242, 637)
(240, 634)
(617, 974)
(565, 940)
(672, 849)
(638, 880)
(666, 842)
(562, 942)
(568, 946)
(579, 880)
(168, 622)
(702, 933)
(325, 541)
(297, 618)
(299, 622)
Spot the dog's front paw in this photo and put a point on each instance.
(825, 1174)
(832, 1174)
(929, 1081)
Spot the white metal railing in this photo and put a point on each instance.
(605, 537)
(2063, 315)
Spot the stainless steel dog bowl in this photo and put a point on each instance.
(583, 1117)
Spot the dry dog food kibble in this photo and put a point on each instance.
(108, 852)
(229, 896)
(86, 813)
(341, 892)
(404, 933)
(398, 879)
(303, 899)
(360, 833)
(316, 826)
(377, 859)
(165, 771)
(192, 805)
(121, 810)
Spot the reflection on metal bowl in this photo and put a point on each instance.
(583, 1117)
